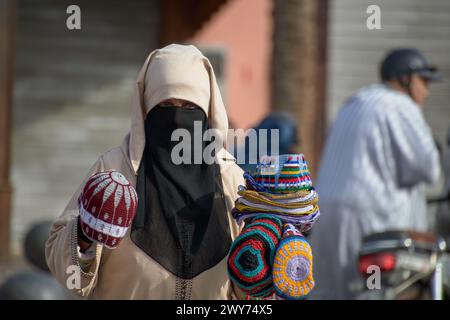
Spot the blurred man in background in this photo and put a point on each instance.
(443, 212)
(378, 156)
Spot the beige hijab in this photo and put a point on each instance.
(175, 71)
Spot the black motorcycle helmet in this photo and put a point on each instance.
(401, 62)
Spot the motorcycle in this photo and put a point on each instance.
(411, 265)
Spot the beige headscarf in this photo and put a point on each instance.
(175, 71)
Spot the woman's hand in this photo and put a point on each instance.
(83, 245)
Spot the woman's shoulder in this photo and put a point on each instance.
(117, 159)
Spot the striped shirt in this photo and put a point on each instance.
(378, 155)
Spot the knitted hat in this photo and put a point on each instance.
(280, 174)
(107, 207)
(292, 268)
(251, 256)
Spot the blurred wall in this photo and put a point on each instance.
(242, 30)
(355, 51)
(73, 91)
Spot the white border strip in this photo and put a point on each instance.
(102, 226)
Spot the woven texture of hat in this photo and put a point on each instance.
(107, 207)
(283, 173)
(251, 256)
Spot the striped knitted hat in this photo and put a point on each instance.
(281, 174)
(251, 256)
(292, 268)
(107, 207)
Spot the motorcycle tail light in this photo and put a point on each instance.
(385, 261)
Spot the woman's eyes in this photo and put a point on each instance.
(186, 105)
(166, 104)
(189, 106)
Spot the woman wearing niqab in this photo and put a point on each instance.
(178, 243)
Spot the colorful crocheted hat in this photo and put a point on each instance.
(293, 268)
(107, 207)
(252, 254)
(281, 174)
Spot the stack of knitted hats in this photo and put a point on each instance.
(282, 187)
(271, 258)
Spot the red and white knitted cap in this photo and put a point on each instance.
(107, 207)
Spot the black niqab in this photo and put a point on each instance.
(182, 219)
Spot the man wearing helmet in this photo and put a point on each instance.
(379, 154)
(406, 70)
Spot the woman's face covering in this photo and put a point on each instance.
(177, 127)
(181, 203)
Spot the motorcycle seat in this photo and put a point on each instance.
(402, 239)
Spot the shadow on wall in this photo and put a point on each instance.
(56, 66)
(73, 91)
